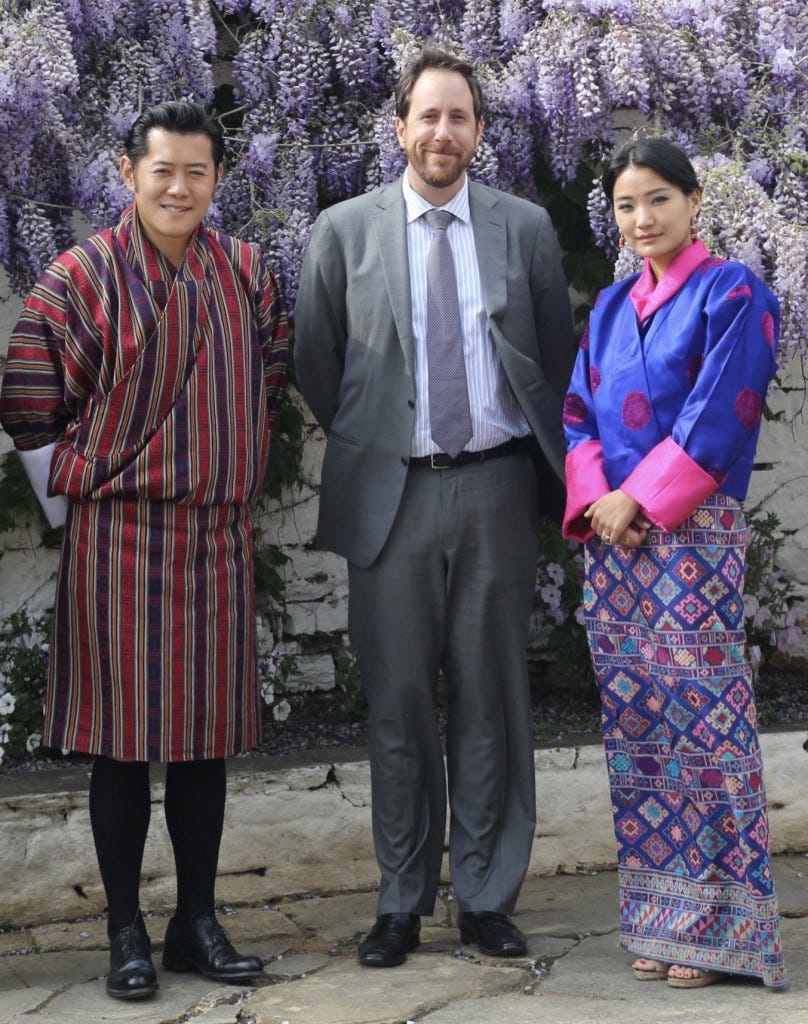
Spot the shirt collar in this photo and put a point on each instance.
(417, 206)
(648, 294)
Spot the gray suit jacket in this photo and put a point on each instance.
(354, 346)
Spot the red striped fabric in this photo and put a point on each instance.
(159, 389)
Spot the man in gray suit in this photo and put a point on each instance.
(441, 545)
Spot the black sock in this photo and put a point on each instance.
(194, 809)
(120, 808)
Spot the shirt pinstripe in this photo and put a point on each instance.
(495, 414)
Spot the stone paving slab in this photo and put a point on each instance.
(593, 985)
(569, 905)
(57, 970)
(71, 935)
(178, 996)
(251, 923)
(18, 941)
(574, 973)
(21, 1000)
(547, 1009)
(348, 994)
(290, 968)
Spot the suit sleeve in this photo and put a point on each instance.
(320, 322)
(551, 309)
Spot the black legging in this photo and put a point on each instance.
(120, 809)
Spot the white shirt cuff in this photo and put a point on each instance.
(37, 465)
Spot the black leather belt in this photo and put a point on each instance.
(440, 460)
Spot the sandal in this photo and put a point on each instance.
(701, 978)
(655, 971)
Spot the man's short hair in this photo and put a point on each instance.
(178, 116)
(433, 58)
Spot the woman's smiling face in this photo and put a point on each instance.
(653, 215)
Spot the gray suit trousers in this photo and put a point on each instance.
(452, 589)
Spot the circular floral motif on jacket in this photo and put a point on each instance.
(594, 378)
(693, 369)
(574, 409)
(748, 407)
(636, 410)
(767, 326)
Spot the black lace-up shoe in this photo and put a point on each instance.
(203, 945)
(131, 972)
(494, 934)
(389, 940)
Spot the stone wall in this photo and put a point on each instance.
(305, 827)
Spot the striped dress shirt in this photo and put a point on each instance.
(495, 413)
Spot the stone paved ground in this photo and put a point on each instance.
(574, 974)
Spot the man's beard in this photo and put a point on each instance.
(441, 178)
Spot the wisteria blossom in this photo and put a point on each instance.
(303, 89)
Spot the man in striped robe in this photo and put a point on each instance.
(141, 383)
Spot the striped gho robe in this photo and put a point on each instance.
(158, 387)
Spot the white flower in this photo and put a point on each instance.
(33, 741)
(7, 703)
(281, 711)
(580, 615)
(268, 693)
(755, 656)
(556, 573)
(551, 596)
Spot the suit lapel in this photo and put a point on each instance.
(490, 241)
(390, 225)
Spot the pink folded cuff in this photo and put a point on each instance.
(668, 484)
(586, 482)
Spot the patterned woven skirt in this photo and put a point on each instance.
(153, 653)
(665, 626)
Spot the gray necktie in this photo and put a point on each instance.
(449, 414)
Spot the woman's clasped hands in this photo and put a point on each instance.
(617, 519)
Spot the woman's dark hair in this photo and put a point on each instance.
(432, 58)
(178, 116)
(659, 155)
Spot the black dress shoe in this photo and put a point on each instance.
(389, 940)
(131, 972)
(494, 933)
(202, 945)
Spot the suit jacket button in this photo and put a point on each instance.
(411, 403)
(404, 460)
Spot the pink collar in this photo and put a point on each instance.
(648, 294)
